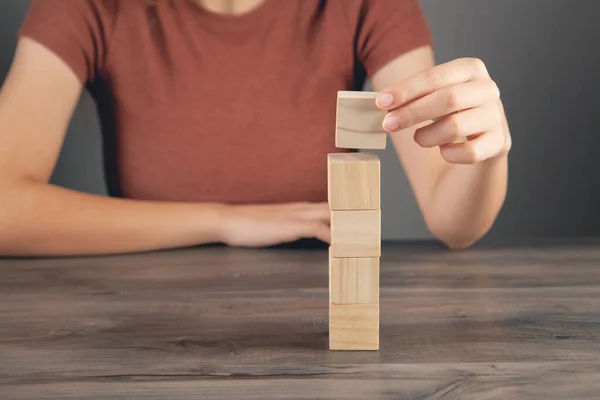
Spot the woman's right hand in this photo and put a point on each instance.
(267, 225)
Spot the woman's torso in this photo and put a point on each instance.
(237, 109)
(198, 106)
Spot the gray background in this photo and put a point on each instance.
(542, 53)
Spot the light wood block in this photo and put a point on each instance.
(359, 121)
(354, 280)
(353, 181)
(356, 233)
(353, 327)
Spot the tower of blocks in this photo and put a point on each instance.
(354, 200)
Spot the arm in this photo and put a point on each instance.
(37, 218)
(460, 187)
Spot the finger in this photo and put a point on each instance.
(322, 232)
(456, 127)
(483, 147)
(441, 103)
(433, 79)
(310, 229)
(314, 212)
(304, 204)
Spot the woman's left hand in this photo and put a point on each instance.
(462, 100)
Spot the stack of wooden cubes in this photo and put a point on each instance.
(354, 199)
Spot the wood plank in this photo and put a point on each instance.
(356, 233)
(518, 321)
(354, 327)
(469, 381)
(353, 181)
(354, 280)
(359, 121)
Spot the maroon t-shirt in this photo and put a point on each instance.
(199, 106)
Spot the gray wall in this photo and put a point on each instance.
(542, 53)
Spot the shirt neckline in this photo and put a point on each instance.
(253, 16)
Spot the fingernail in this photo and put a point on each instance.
(392, 123)
(385, 100)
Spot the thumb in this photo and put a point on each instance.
(321, 231)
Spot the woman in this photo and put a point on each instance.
(217, 117)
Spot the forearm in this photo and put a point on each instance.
(466, 200)
(40, 219)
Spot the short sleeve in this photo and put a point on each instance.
(74, 30)
(388, 29)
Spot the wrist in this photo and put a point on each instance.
(209, 222)
(221, 221)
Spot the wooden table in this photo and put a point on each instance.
(510, 322)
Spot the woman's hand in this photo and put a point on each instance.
(266, 225)
(469, 125)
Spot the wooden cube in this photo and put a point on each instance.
(353, 327)
(354, 280)
(359, 121)
(356, 233)
(353, 181)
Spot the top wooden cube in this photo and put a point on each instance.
(359, 121)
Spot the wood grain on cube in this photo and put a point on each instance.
(354, 280)
(353, 327)
(359, 121)
(356, 233)
(353, 181)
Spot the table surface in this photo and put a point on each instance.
(516, 322)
